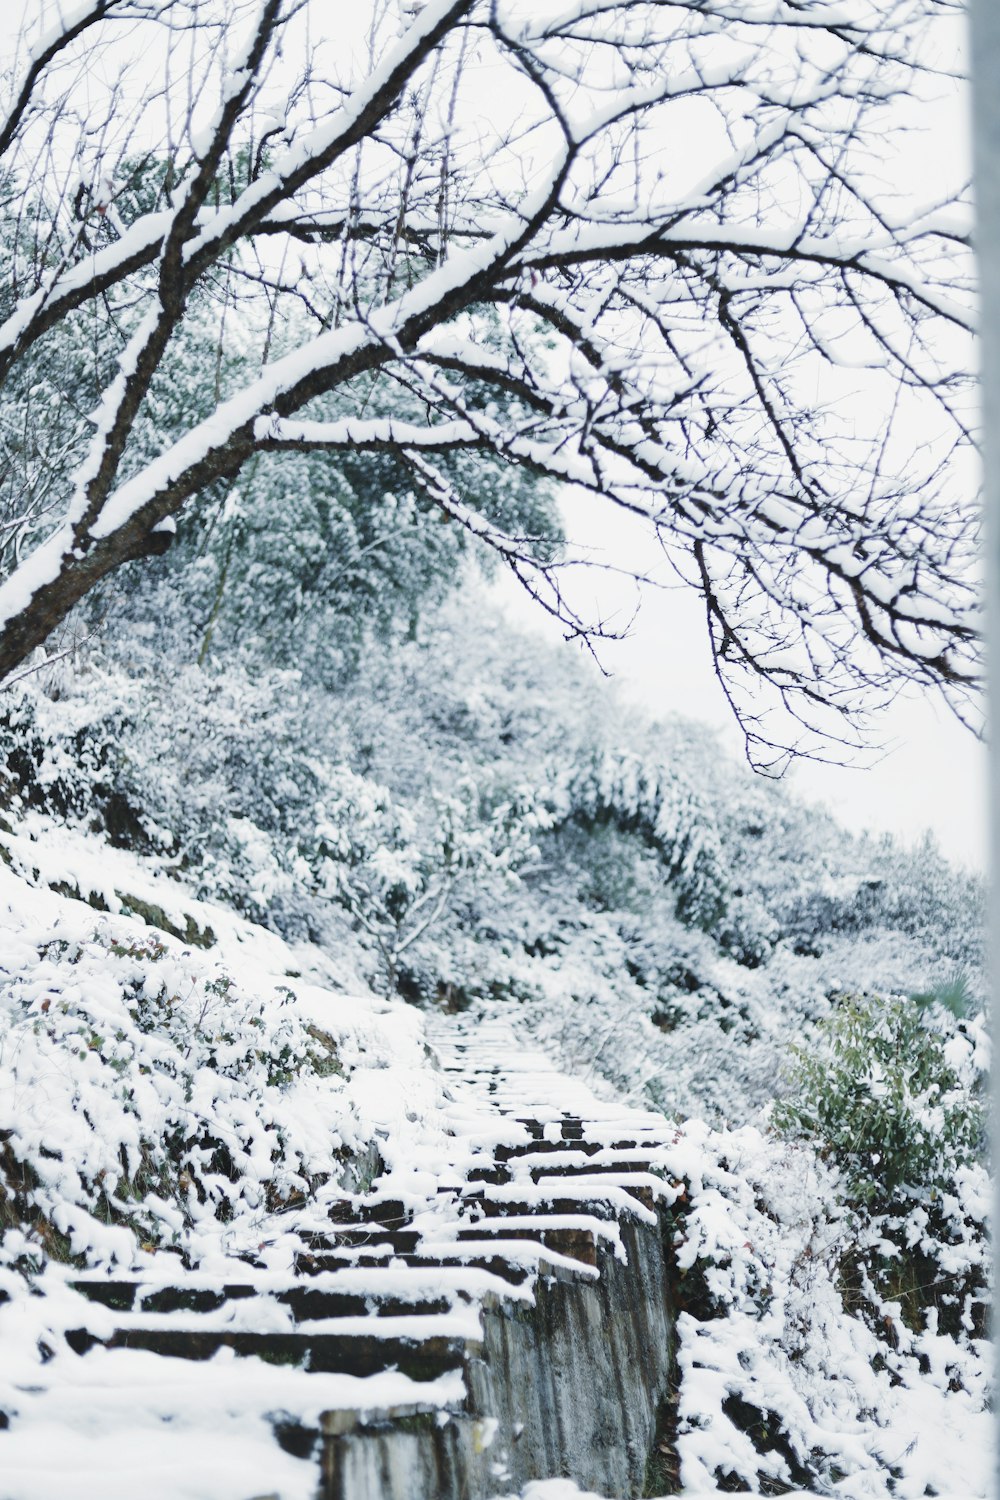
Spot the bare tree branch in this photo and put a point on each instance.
(660, 268)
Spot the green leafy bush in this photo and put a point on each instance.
(891, 1089)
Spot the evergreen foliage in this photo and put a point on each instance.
(891, 1090)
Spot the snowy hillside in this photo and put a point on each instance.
(187, 1095)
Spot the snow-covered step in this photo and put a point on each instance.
(437, 1307)
(366, 1238)
(564, 1194)
(551, 1156)
(511, 1270)
(418, 1353)
(298, 1302)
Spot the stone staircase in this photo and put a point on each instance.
(506, 1317)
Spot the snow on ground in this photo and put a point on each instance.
(117, 1037)
(117, 1041)
(114, 1039)
(172, 1429)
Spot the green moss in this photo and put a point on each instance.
(155, 916)
(663, 1474)
(135, 906)
(19, 1209)
(323, 1057)
(92, 898)
(418, 1422)
(280, 1354)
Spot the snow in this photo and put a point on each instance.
(72, 977)
(97, 1004)
(193, 1429)
(355, 433)
(197, 1107)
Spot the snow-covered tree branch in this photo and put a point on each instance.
(643, 249)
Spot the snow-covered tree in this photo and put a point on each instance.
(645, 249)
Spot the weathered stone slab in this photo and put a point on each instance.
(571, 1385)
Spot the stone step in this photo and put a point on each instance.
(303, 1301)
(600, 1160)
(494, 1264)
(552, 1196)
(517, 1205)
(495, 1174)
(539, 1143)
(390, 1213)
(408, 1451)
(570, 1127)
(123, 1294)
(308, 1303)
(420, 1359)
(365, 1237)
(322, 1258)
(574, 1243)
(539, 1165)
(538, 1146)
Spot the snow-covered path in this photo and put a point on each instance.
(215, 1377)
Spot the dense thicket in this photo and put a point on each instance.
(479, 809)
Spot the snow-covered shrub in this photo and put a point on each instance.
(399, 792)
(399, 875)
(662, 809)
(230, 783)
(891, 1089)
(867, 887)
(206, 773)
(892, 1093)
(747, 931)
(51, 758)
(141, 1099)
(781, 1384)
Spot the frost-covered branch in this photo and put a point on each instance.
(643, 250)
